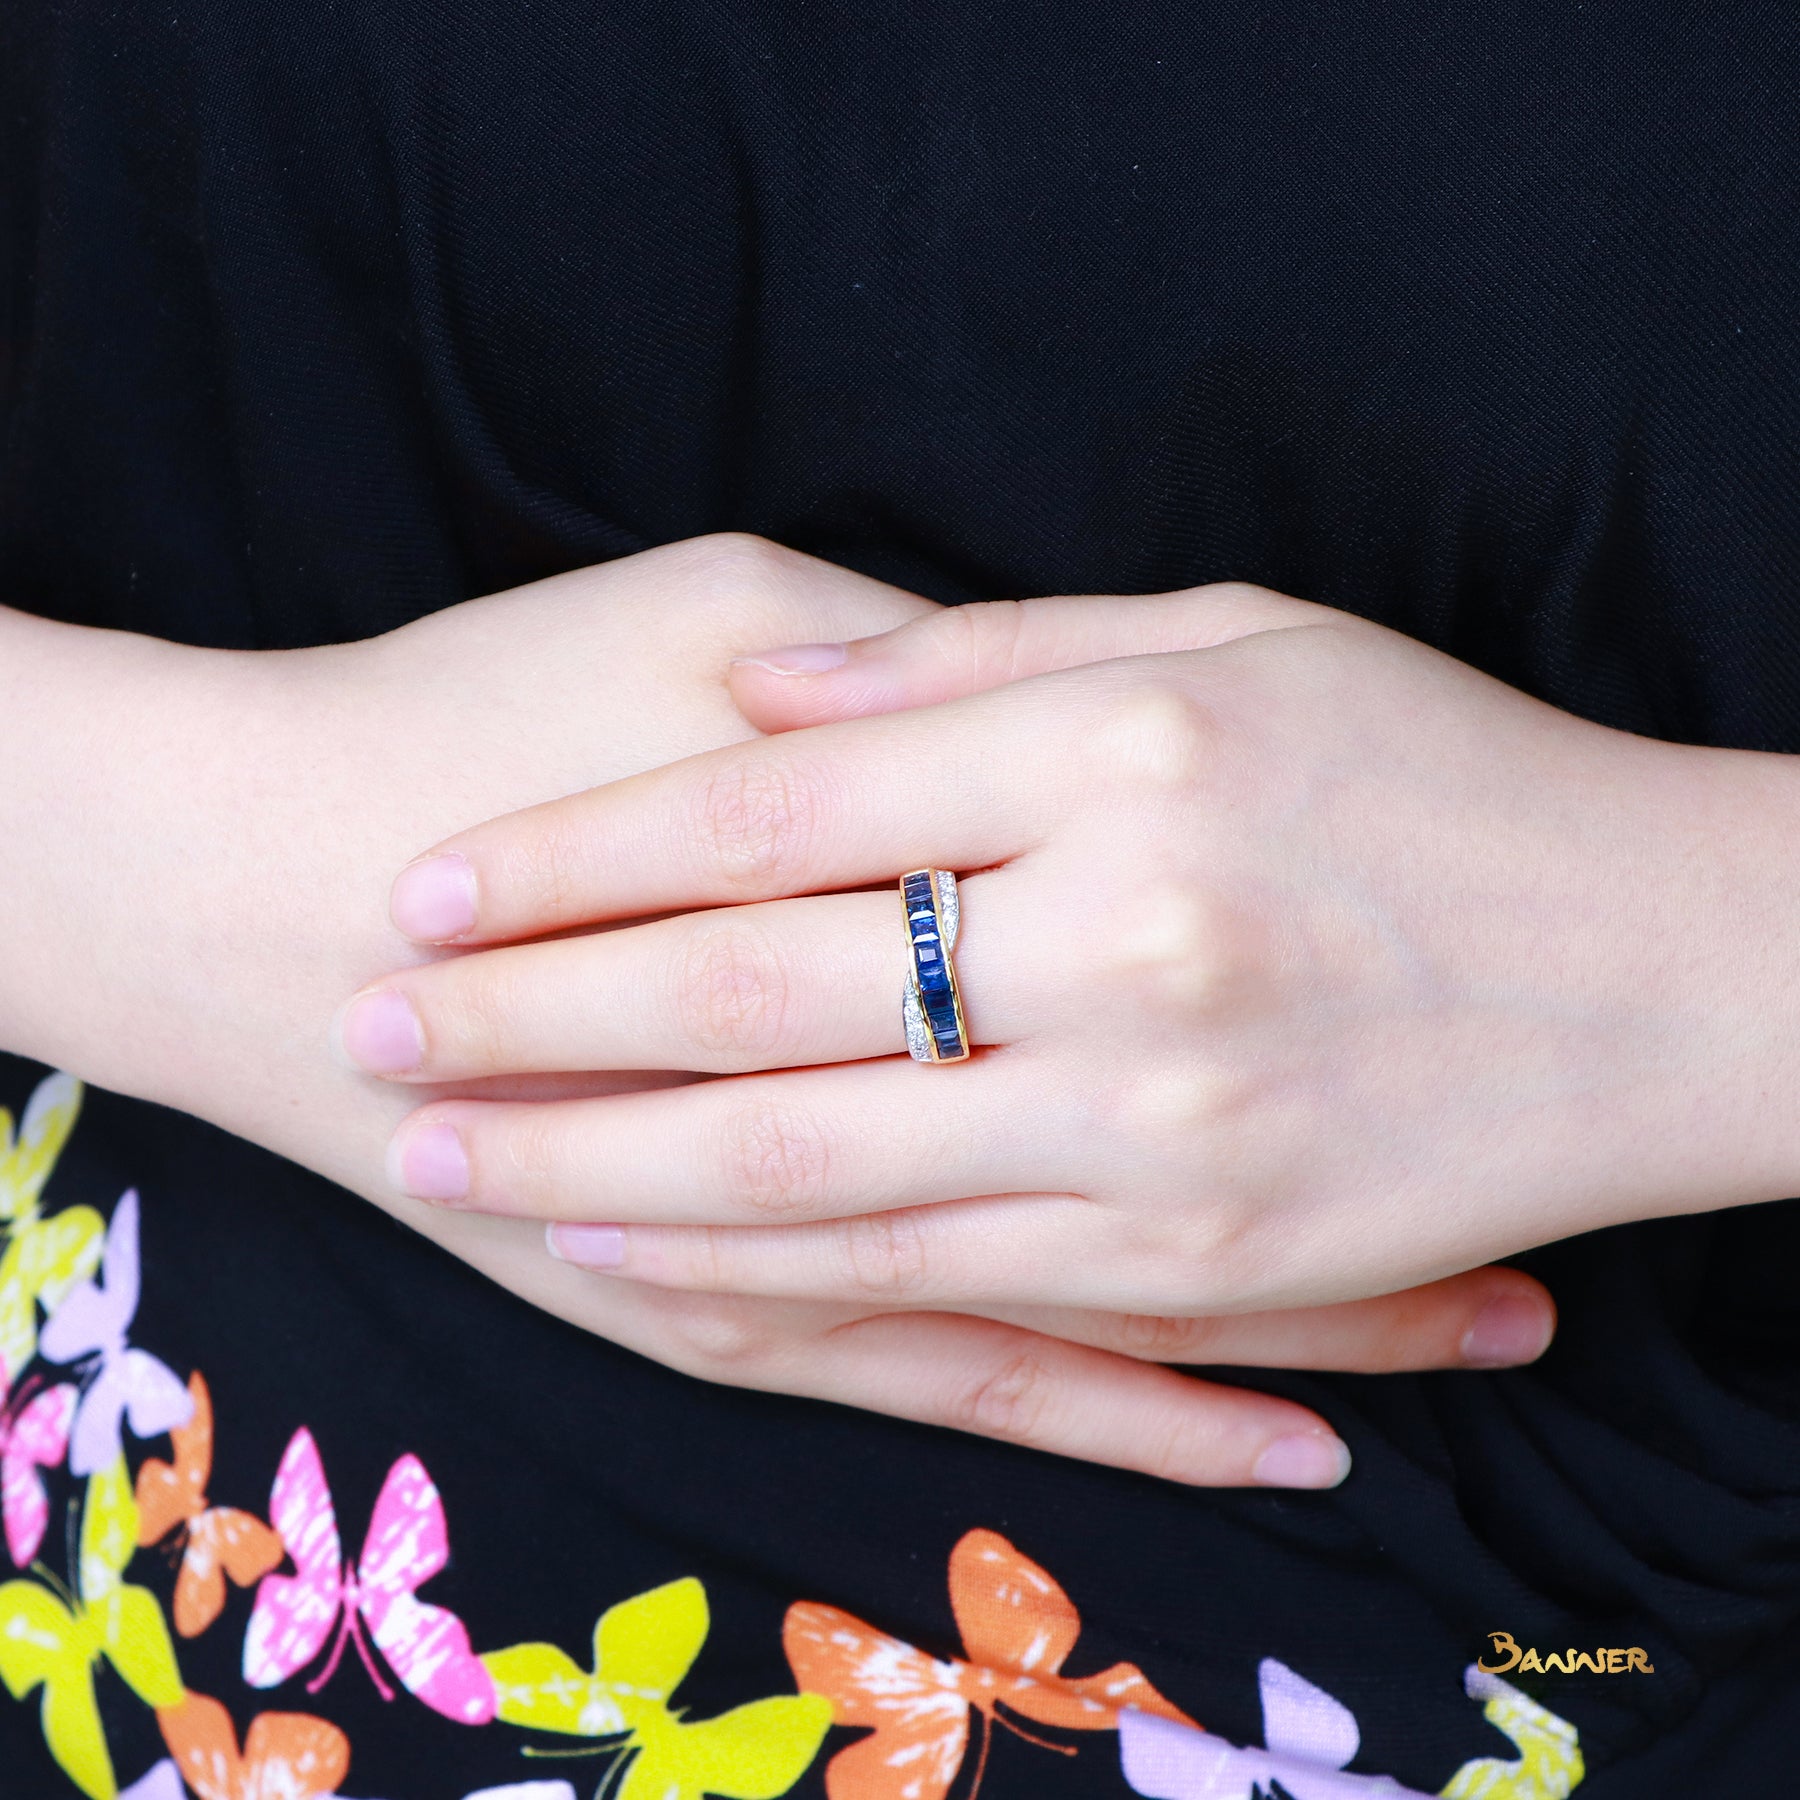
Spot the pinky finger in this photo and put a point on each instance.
(1492, 1318)
(1000, 1381)
(965, 1373)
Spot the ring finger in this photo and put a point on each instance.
(777, 984)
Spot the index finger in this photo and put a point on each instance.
(959, 785)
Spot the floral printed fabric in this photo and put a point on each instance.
(106, 1456)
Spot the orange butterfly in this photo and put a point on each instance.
(215, 1541)
(1017, 1626)
(286, 1756)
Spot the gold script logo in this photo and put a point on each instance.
(1566, 1662)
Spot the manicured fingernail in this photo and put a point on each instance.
(1307, 1459)
(1511, 1329)
(379, 1034)
(797, 659)
(429, 1163)
(433, 900)
(592, 1246)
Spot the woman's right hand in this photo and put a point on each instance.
(198, 850)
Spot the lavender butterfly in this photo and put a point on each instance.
(129, 1383)
(1310, 1737)
(162, 1782)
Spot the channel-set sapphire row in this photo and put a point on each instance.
(932, 972)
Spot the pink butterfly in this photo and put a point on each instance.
(408, 1542)
(130, 1383)
(1310, 1737)
(34, 1435)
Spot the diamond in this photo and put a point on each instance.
(918, 1033)
(948, 906)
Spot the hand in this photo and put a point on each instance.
(246, 809)
(1307, 966)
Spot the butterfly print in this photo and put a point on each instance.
(52, 1638)
(34, 1435)
(44, 1258)
(215, 1541)
(1310, 1737)
(161, 1782)
(643, 1650)
(1549, 1764)
(408, 1542)
(526, 1790)
(1018, 1627)
(129, 1384)
(286, 1756)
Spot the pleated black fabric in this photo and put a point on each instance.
(1479, 320)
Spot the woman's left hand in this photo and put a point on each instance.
(1303, 963)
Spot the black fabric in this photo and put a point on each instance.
(1480, 320)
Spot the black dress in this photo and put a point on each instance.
(1480, 320)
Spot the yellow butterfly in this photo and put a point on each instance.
(1549, 1764)
(53, 1638)
(44, 1258)
(643, 1649)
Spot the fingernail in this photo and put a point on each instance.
(379, 1034)
(592, 1246)
(797, 659)
(433, 900)
(429, 1163)
(1511, 1329)
(1307, 1459)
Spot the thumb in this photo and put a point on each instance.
(957, 650)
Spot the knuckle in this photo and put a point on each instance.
(548, 865)
(1012, 1401)
(1241, 591)
(736, 567)
(1194, 950)
(1192, 1251)
(774, 1161)
(474, 1018)
(529, 1159)
(732, 995)
(755, 820)
(978, 643)
(1158, 1337)
(742, 592)
(884, 1253)
(1157, 732)
(713, 1334)
(1179, 1110)
(1176, 1445)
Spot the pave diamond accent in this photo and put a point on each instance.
(918, 1033)
(949, 909)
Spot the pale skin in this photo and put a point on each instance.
(1305, 963)
(199, 845)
